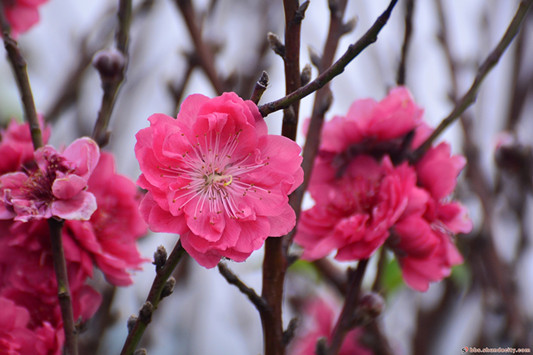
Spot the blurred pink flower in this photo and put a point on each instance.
(109, 238)
(16, 147)
(353, 213)
(422, 239)
(217, 178)
(56, 187)
(22, 14)
(27, 278)
(367, 194)
(319, 321)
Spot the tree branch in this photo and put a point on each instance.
(113, 76)
(337, 68)
(470, 96)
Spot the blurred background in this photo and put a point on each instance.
(488, 301)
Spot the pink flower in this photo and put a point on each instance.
(353, 214)
(217, 178)
(368, 195)
(22, 14)
(422, 239)
(319, 321)
(56, 187)
(109, 238)
(16, 147)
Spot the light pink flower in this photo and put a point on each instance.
(22, 14)
(109, 238)
(217, 178)
(56, 187)
(319, 321)
(16, 147)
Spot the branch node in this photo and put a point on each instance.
(300, 13)
(131, 322)
(168, 288)
(275, 43)
(305, 76)
(289, 333)
(316, 59)
(145, 314)
(260, 87)
(141, 351)
(160, 257)
(349, 26)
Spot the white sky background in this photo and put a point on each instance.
(209, 316)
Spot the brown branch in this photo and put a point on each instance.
(203, 52)
(19, 66)
(337, 68)
(322, 102)
(112, 80)
(139, 324)
(232, 279)
(346, 318)
(470, 96)
(409, 11)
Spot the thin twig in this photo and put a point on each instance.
(232, 279)
(345, 321)
(19, 66)
(112, 84)
(409, 11)
(470, 96)
(152, 301)
(337, 68)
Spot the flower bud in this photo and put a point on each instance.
(131, 322)
(168, 288)
(160, 257)
(110, 64)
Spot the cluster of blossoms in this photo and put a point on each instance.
(101, 226)
(21, 14)
(216, 177)
(368, 194)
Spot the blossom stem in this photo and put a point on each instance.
(470, 96)
(337, 68)
(345, 321)
(112, 85)
(63, 289)
(19, 66)
(153, 299)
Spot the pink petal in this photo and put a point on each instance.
(84, 152)
(160, 220)
(80, 206)
(67, 187)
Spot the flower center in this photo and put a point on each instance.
(217, 180)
